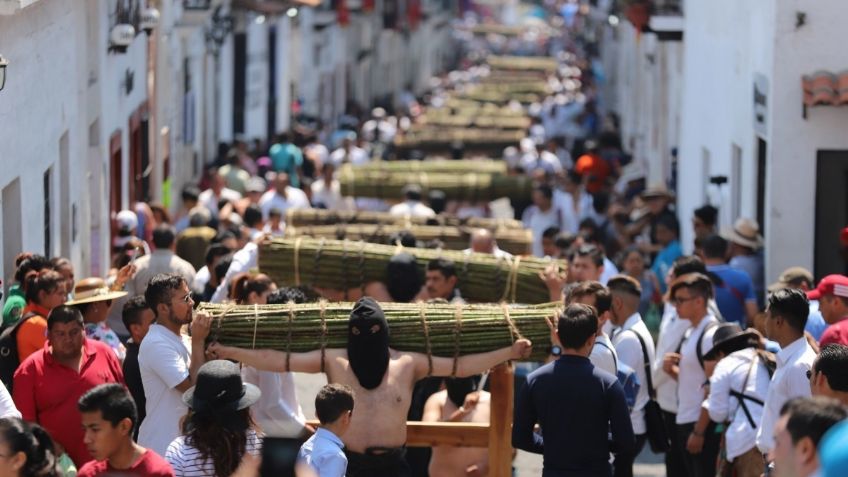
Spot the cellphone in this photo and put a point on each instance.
(279, 456)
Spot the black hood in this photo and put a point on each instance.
(368, 351)
(458, 388)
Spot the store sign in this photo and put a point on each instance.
(760, 104)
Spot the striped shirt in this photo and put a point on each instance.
(186, 461)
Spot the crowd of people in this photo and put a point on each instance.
(692, 355)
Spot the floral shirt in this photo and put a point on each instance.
(102, 332)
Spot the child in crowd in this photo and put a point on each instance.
(323, 451)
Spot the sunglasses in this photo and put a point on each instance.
(677, 301)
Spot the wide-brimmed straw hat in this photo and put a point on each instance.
(90, 290)
(745, 232)
(657, 190)
(220, 388)
(730, 336)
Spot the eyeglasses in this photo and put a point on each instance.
(186, 299)
(677, 301)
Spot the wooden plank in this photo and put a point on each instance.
(428, 434)
(500, 430)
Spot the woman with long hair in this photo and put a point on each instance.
(251, 288)
(44, 291)
(218, 430)
(27, 450)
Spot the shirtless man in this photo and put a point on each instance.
(381, 377)
(459, 402)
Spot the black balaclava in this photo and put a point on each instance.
(458, 388)
(402, 278)
(368, 352)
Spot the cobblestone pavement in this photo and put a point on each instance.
(526, 464)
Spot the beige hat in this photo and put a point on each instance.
(89, 290)
(791, 277)
(658, 189)
(745, 232)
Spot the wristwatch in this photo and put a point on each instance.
(556, 350)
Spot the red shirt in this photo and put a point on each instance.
(149, 465)
(835, 333)
(595, 168)
(47, 392)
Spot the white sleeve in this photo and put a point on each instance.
(7, 405)
(167, 363)
(629, 351)
(718, 402)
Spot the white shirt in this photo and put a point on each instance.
(295, 199)
(323, 452)
(411, 208)
(277, 412)
(242, 261)
(736, 372)
(497, 252)
(571, 215)
(691, 377)
(7, 405)
(610, 270)
(672, 329)
(603, 354)
(538, 221)
(629, 351)
(209, 200)
(201, 278)
(186, 461)
(357, 156)
(789, 381)
(330, 197)
(164, 360)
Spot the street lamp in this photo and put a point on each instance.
(149, 20)
(3, 64)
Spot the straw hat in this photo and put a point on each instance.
(657, 190)
(745, 232)
(89, 290)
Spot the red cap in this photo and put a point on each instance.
(830, 285)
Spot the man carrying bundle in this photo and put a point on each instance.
(382, 379)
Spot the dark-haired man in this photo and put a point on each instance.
(109, 417)
(786, 316)
(382, 379)
(690, 295)
(440, 281)
(632, 342)
(412, 205)
(577, 407)
(704, 221)
(137, 318)
(735, 294)
(802, 424)
(49, 382)
(162, 260)
(168, 360)
(829, 376)
(587, 264)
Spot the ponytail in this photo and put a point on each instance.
(45, 280)
(35, 443)
(246, 283)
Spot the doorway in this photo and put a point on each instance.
(831, 211)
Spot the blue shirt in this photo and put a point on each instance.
(323, 452)
(666, 257)
(815, 321)
(731, 296)
(754, 266)
(577, 406)
(287, 158)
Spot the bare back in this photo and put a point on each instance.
(379, 415)
(450, 461)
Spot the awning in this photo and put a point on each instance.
(273, 7)
(824, 88)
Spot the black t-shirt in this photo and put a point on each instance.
(132, 376)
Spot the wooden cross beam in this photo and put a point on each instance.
(496, 436)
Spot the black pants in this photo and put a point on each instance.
(674, 466)
(703, 464)
(389, 464)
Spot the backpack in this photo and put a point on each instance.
(698, 351)
(769, 362)
(9, 361)
(627, 377)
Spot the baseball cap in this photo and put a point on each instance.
(833, 450)
(830, 285)
(792, 277)
(126, 220)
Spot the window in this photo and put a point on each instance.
(705, 172)
(736, 182)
